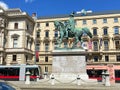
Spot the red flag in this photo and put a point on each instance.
(37, 55)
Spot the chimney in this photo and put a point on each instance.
(34, 16)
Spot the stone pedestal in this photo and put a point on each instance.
(68, 64)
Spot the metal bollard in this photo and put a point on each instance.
(78, 80)
(37, 78)
(53, 80)
(27, 81)
(45, 75)
(103, 77)
(107, 79)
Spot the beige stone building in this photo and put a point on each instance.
(16, 37)
(21, 36)
(105, 27)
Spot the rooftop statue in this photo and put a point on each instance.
(68, 30)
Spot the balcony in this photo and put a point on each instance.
(54, 39)
(106, 37)
(19, 50)
(13, 62)
(116, 36)
(95, 38)
(117, 47)
(46, 39)
(85, 38)
(94, 52)
(38, 40)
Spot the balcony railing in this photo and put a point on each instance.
(95, 37)
(117, 47)
(46, 39)
(55, 39)
(116, 36)
(85, 38)
(106, 37)
(14, 62)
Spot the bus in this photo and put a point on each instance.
(17, 72)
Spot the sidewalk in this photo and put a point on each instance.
(47, 86)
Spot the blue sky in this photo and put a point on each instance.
(58, 7)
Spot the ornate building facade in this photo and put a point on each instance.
(105, 45)
(24, 40)
(16, 37)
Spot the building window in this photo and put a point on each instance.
(16, 26)
(56, 33)
(94, 21)
(94, 31)
(38, 24)
(106, 58)
(95, 58)
(55, 45)
(84, 22)
(47, 34)
(37, 47)
(38, 34)
(118, 58)
(15, 42)
(116, 30)
(46, 46)
(105, 31)
(95, 43)
(115, 20)
(46, 69)
(106, 48)
(26, 56)
(47, 24)
(46, 59)
(14, 57)
(117, 44)
(27, 27)
(104, 20)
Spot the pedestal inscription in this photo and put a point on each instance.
(69, 64)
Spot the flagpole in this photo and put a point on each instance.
(35, 49)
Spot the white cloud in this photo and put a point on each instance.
(29, 1)
(3, 5)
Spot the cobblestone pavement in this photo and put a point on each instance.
(20, 85)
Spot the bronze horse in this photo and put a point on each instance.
(76, 33)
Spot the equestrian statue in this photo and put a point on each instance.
(67, 30)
